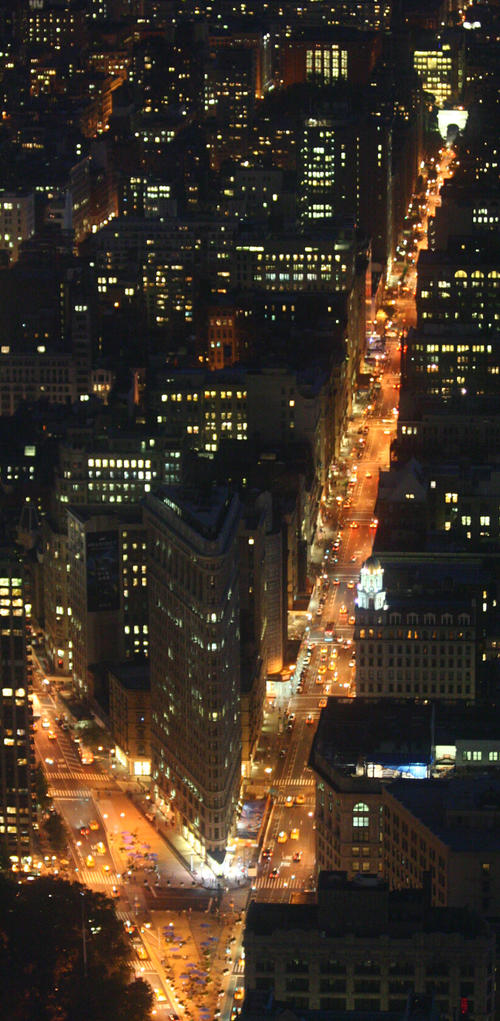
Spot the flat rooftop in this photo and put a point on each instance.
(464, 812)
(356, 731)
(134, 676)
(360, 909)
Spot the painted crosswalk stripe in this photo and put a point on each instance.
(55, 793)
(278, 884)
(92, 876)
(301, 781)
(75, 774)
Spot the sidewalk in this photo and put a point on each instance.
(198, 868)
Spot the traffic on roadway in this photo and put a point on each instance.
(326, 663)
(346, 527)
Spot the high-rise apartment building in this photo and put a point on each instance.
(17, 221)
(195, 659)
(17, 807)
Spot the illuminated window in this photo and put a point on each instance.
(360, 815)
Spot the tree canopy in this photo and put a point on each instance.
(64, 956)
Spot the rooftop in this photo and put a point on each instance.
(134, 676)
(464, 812)
(123, 513)
(356, 735)
(361, 909)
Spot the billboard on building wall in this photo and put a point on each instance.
(250, 821)
(103, 591)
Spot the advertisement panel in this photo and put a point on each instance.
(103, 591)
(250, 821)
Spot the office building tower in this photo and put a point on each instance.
(107, 597)
(329, 177)
(17, 809)
(440, 66)
(195, 659)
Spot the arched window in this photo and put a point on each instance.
(395, 618)
(360, 815)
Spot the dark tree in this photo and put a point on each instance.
(56, 834)
(41, 787)
(64, 956)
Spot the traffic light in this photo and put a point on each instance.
(464, 1007)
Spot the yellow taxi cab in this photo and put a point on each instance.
(282, 837)
(294, 834)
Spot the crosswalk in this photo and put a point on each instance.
(297, 781)
(65, 793)
(74, 774)
(96, 877)
(280, 882)
(239, 967)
